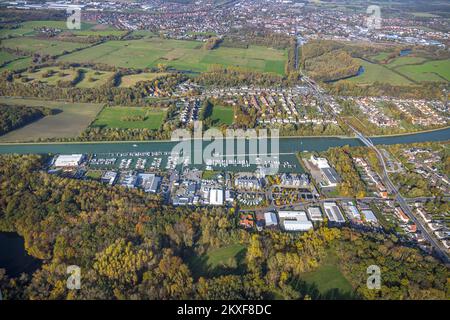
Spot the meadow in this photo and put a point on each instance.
(71, 121)
(224, 260)
(222, 115)
(326, 281)
(28, 28)
(116, 117)
(131, 80)
(179, 54)
(41, 46)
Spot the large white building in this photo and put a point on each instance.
(295, 220)
(68, 160)
(270, 218)
(315, 214)
(149, 182)
(216, 197)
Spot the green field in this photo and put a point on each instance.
(326, 281)
(54, 75)
(131, 80)
(6, 57)
(71, 121)
(114, 117)
(179, 54)
(376, 72)
(93, 78)
(222, 115)
(18, 64)
(28, 28)
(437, 70)
(41, 46)
(223, 260)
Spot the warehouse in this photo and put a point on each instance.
(271, 219)
(216, 197)
(149, 182)
(333, 212)
(315, 214)
(295, 220)
(68, 160)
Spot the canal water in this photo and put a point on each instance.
(13, 256)
(286, 144)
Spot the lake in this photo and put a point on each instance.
(13, 256)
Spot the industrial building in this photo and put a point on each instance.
(315, 214)
(295, 220)
(68, 160)
(149, 182)
(216, 197)
(333, 212)
(271, 219)
(369, 216)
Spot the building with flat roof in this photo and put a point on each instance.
(315, 214)
(216, 197)
(369, 216)
(68, 160)
(149, 182)
(295, 220)
(333, 212)
(270, 218)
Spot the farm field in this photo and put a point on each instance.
(222, 115)
(41, 46)
(115, 117)
(218, 261)
(70, 122)
(131, 80)
(179, 54)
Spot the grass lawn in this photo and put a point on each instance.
(42, 46)
(55, 74)
(375, 72)
(225, 260)
(71, 121)
(179, 54)
(114, 117)
(18, 64)
(93, 78)
(6, 56)
(326, 281)
(131, 80)
(222, 115)
(437, 70)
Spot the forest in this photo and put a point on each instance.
(131, 246)
(13, 117)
